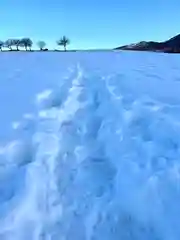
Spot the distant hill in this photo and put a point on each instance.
(170, 46)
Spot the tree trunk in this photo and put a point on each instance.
(17, 48)
(25, 47)
(1, 49)
(65, 48)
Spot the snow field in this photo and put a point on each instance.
(94, 161)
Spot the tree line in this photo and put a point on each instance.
(27, 44)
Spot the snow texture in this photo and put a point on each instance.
(89, 146)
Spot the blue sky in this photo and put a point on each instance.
(90, 23)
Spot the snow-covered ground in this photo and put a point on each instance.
(89, 146)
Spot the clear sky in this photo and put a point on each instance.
(90, 23)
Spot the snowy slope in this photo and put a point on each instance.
(90, 146)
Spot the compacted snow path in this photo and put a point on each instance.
(94, 162)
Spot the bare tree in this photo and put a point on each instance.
(64, 41)
(16, 42)
(26, 42)
(9, 44)
(1, 45)
(41, 45)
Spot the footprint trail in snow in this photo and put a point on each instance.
(92, 163)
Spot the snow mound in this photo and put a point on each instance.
(95, 162)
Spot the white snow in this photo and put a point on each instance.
(89, 146)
